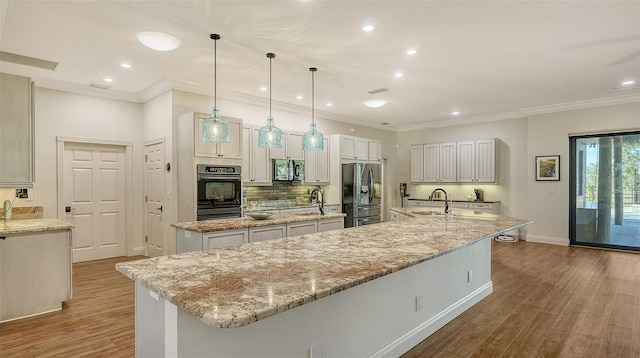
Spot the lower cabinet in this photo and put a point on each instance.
(330, 224)
(302, 228)
(216, 240)
(35, 273)
(263, 233)
(396, 216)
(485, 207)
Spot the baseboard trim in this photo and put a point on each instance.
(410, 339)
(548, 240)
(137, 251)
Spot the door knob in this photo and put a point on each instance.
(160, 208)
(67, 209)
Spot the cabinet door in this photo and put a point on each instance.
(375, 151)
(466, 162)
(361, 149)
(294, 146)
(348, 148)
(224, 239)
(448, 162)
(16, 136)
(280, 153)
(431, 163)
(485, 161)
(330, 224)
(322, 168)
(267, 233)
(247, 155)
(260, 162)
(302, 228)
(417, 163)
(233, 149)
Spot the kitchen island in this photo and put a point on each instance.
(375, 290)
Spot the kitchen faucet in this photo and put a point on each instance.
(314, 196)
(447, 200)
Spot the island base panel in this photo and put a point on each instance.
(378, 318)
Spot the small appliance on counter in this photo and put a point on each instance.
(478, 195)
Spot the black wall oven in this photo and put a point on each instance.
(219, 192)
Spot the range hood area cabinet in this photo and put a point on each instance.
(256, 165)
(16, 131)
(456, 162)
(291, 147)
(231, 150)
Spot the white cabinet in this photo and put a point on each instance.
(230, 150)
(330, 224)
(375, 151)
(263, 233)
(256, 165)
(227, 238)
(16, 132)
(354, 149)
(35, 273)
(477, 161)
(485, 207)
(307, 209)
(332, 209)
(396, 216)
(433, 163)
(291, 147)
(302, 228)
(316, 165)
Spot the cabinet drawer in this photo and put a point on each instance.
(267, 233)
(302, 228)
(418, 203)
(330, 224)
(484, 206)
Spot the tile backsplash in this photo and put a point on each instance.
(281, 191)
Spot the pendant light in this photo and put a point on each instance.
(214, 128)
(270, 136)
(313, 139)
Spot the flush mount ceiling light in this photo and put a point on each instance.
(214, 128)
(375, 103)
(270, 136)
(313, 139)
(158, 41)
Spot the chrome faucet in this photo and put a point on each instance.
(447, 200)
(314, 196)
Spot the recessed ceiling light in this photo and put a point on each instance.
(299, 97)
(626, 83)
(368, 28)
(455, 113)
(329, 104)
(125, 65)
(158, 41)
(263, 88)
(411, 52)
(107, 79)
(398, 75)
(375, 103)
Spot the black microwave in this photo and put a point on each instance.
(288, 170)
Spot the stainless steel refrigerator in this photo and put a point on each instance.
(361, 194)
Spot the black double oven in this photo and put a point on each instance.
(219, 192)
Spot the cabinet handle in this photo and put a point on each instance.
(3, 237)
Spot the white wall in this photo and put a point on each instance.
(67, 114)
(548, 134)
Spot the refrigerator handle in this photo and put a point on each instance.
(371, 183)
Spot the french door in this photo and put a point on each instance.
(605, 190)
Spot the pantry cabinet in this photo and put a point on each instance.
(230, 150)
(16, 132)
(256, 165)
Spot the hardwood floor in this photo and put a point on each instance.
(548, 301)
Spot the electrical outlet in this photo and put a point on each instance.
(315, 351)
(469, 276)
(418, 303)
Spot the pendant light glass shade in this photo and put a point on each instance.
(313, 139)
(214, 128)
(270, 136)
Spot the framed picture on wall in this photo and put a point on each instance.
(548, 168)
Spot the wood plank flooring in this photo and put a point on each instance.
(548, 301)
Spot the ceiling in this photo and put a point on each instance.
(486, 59)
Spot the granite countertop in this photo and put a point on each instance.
(12, 227)
(459, 201)
(239, 285)
(248, 222)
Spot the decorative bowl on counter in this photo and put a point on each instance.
(260, 215)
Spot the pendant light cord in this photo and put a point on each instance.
(313, 94)
(215, 70)
(270, 58)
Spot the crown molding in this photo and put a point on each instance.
(463, 121)
(86, 90)
(591, 103)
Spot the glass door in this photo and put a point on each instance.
(605, 187)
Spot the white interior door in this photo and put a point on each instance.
(154, 199)
(93, 182)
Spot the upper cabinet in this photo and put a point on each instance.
(16, 132)
(256, 165)
(375, 151)
(291, 147)
(460, 162)
(316, 165)
(357, 150)
(230, 150)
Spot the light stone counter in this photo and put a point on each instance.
(239, 285)
(13, 227)
(248, 222)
